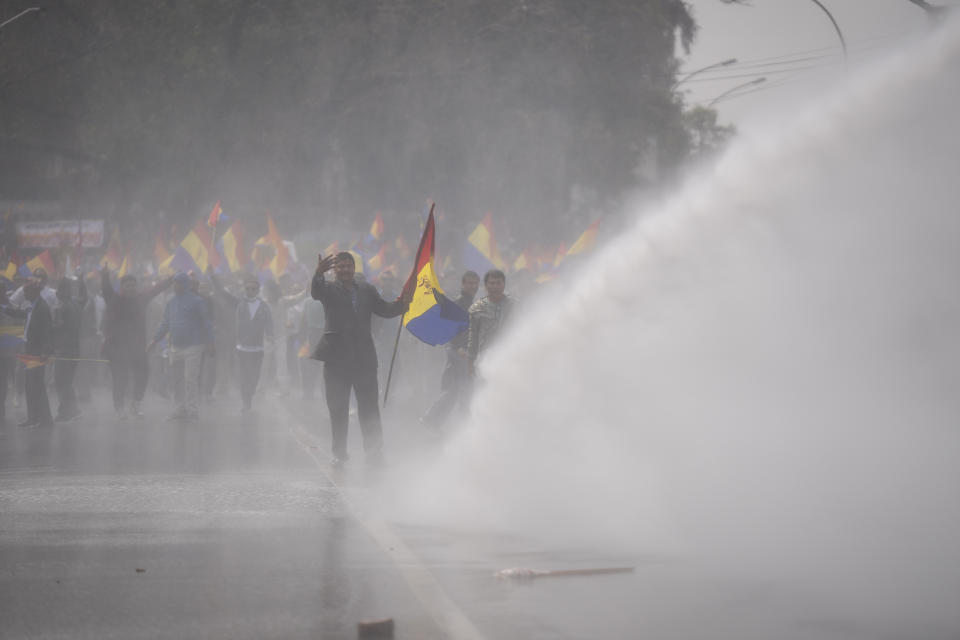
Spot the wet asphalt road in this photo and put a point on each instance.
(147, 528)
(238, 528)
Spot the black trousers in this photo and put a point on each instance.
(338, 380)
(125, 368)
(38, 405)
(248, 372)
(63, 375)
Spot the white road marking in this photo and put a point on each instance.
(444, 611)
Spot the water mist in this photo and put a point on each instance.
(762, 376)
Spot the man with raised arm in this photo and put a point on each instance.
(254, 330)
(348, 352)
(125, 338)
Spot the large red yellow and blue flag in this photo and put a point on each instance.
(432, 317)
(481, 254)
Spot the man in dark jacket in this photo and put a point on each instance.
(66, 327)
(455, 382)
(125, 337)
(348, 352)
(38, 333)
(254, 326)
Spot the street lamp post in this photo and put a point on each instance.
(728, 92)
(725, 63)
(22, 13)
(836, 27)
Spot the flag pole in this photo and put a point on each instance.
(393, 358)
(396, 343)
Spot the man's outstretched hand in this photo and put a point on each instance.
(325, 264)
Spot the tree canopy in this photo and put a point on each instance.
(339, 107)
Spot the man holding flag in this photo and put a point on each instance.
(348, 352)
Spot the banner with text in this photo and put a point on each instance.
(60, 234)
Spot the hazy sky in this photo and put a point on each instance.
(792, 44)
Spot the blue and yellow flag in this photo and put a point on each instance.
(432, 317)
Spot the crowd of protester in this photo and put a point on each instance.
(191, 337)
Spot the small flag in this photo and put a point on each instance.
(481, 254)
(124, 266)
(375, 263)
(357, 259)
(41, 261)
(215, 215)
(32, 362)
(522, 262)
(586, 241)
(376, 229)
(232, 244)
